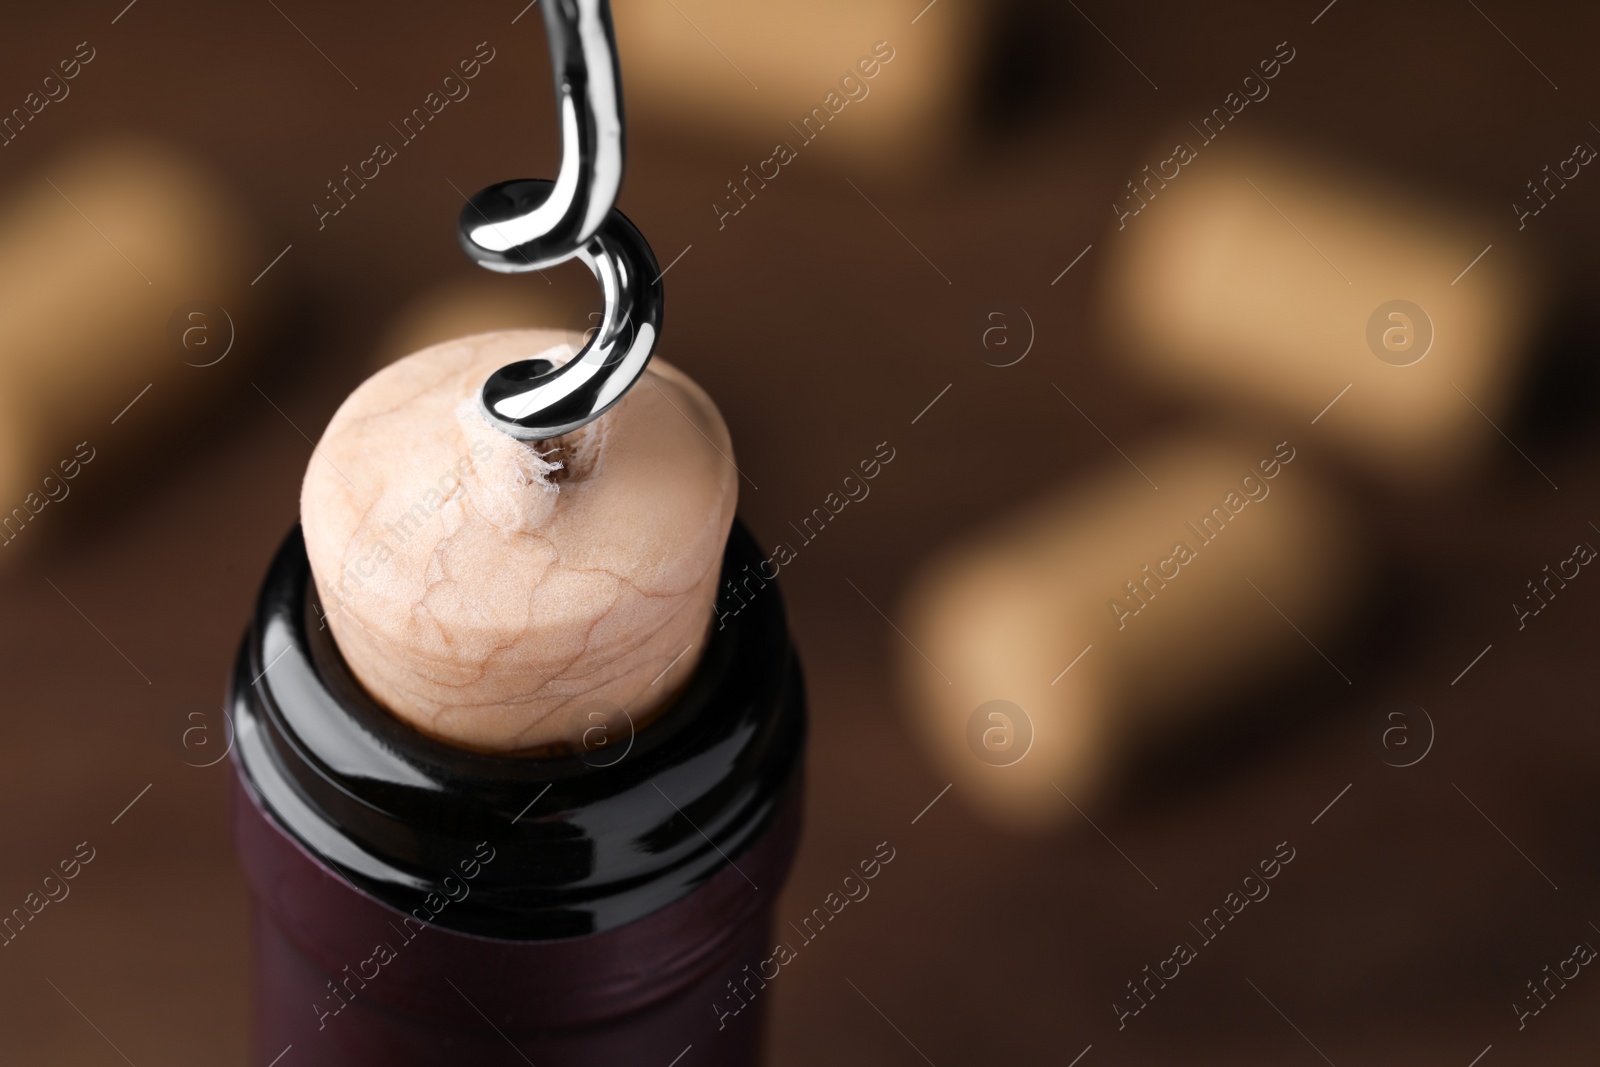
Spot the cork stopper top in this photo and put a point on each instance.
(505, 596)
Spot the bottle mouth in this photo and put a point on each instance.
(557, 846)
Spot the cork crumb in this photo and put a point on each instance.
(516, 483)
(574, 455)
(560, 473)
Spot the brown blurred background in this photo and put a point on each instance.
(824, 318)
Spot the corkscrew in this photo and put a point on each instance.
(531, 224)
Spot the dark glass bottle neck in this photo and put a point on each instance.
(557, 847)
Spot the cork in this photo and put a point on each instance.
(121, 262)
(484, 303)
(1114, 614)
(855, 76)
(504, 596)
(1269, 283)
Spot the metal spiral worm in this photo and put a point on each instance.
(530, 224)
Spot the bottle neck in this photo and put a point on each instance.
(518, 847)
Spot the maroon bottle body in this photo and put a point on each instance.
(417, 904)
